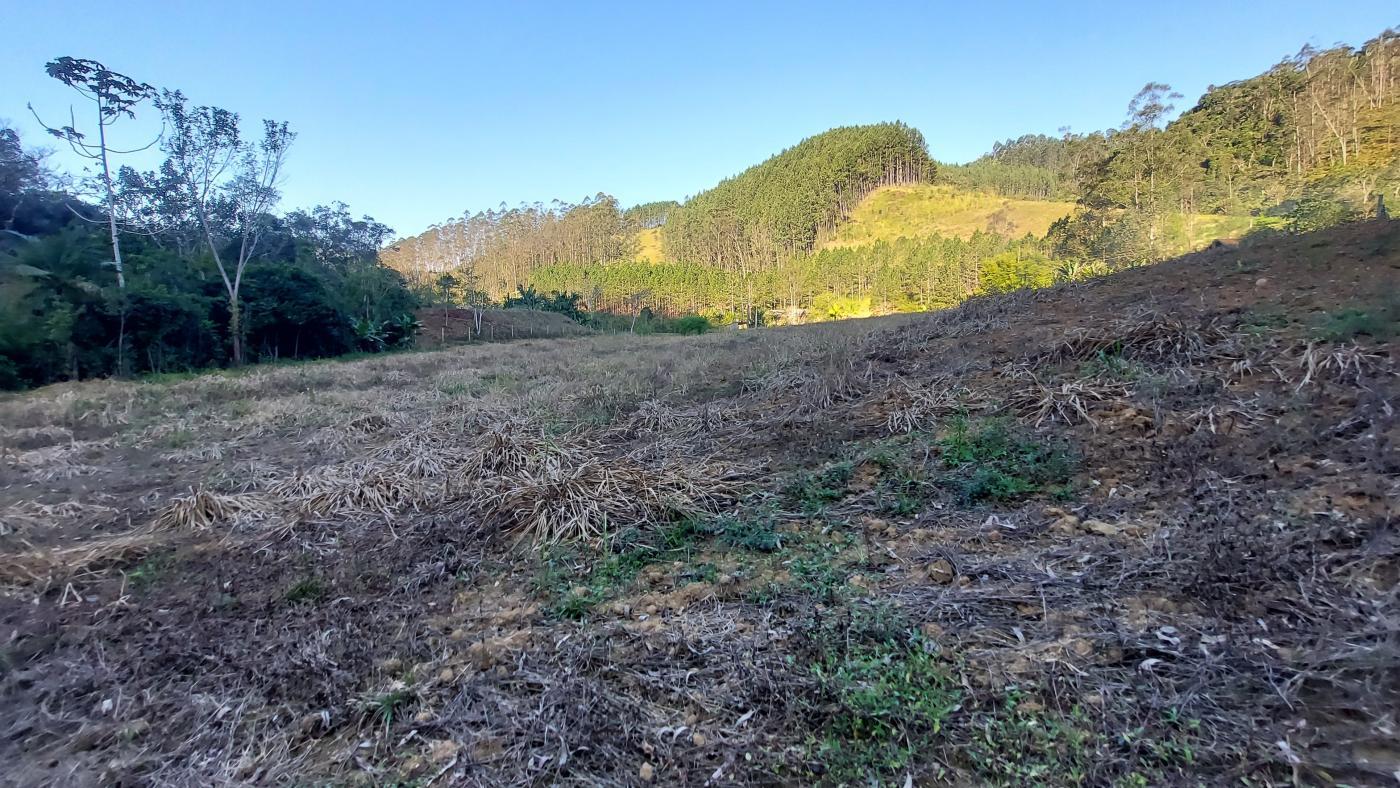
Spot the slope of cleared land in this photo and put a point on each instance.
(649, 246)
(1138, 530)
(894, 212)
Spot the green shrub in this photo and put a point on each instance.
(690, 324)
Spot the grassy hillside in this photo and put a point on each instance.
(649, 246)
(1133, 532)
(921, 210)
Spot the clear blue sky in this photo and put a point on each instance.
(414, 112)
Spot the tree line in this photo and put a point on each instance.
(182, 267)
(908, 274)
(1310, 142)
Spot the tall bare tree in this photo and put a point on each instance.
(114, 96)
(231, 185)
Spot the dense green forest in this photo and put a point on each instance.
(1310, 142)
(183, 267)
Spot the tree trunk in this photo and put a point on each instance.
(116, 243)
(235, 327)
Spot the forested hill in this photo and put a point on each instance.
(760, 216)
(860, 220)
(777, 209)
(1319, 124)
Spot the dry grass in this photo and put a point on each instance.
(1150, 337)
(919, 407)
(1059, 401)
(1348, 364)
(1217, 576)
(583, 498)
(203, 509)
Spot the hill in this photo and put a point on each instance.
(780, 207)
(1160, 502)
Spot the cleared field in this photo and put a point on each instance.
(1135, 530)
(896, 212)
(649, 247)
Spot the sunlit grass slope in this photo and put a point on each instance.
(933, 209)
(922, 210)
(649, 246)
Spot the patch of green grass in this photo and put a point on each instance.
(178, 439)
(820, 576)
(307, 589)
(573, 586)
(703, 572)
(1264, 319)
(385, 707)
(1112, 366)
(891, 698)
(1023, 743)
(1380, 322)
(755, 533)
(814, 491)
(149, 572)
(988, 460)
(455, 389)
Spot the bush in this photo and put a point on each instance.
(566, 304)
(690, 324)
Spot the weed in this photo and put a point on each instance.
(813, 491)
(307, 589)
(1380, 323)
(1264, 320)
(757, 534)
(819, 576)
(1021, 742)
(704, 572)
(988, 461)
(891, 699)
(1111, 366)
(385, 707)
(178, 439)
(148, 572)
(572, 588)
(456, 388)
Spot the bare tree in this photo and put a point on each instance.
(114, 96)
(231, 185)
(634, 303)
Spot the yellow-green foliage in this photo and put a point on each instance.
(1016, 269)
(935, 209)
(1188, 232)
(830, 306)
(649, 246)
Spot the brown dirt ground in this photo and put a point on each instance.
(299, 575)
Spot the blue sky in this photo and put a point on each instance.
(414, 112)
